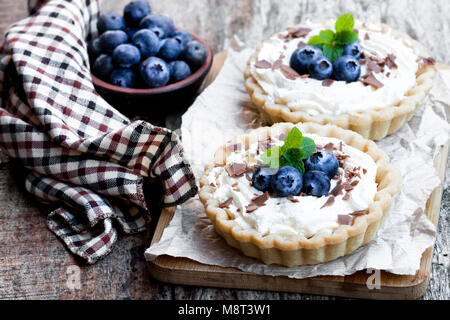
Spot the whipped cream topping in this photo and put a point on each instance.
(309, 95)
(300, 215)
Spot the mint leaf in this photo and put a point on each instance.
(293, 140)
(332, 53)
(345, 22)
(315, 41)
(295, 149)
(308, 146)
(327, 36)
(346, 37)
(293, 158)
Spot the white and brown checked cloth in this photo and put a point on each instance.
(79, 152)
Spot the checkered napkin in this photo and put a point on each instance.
(79, 152)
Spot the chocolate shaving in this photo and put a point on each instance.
(251, 169)
(251, 207)
(374, 66)
(261, 199)
(277, 64)
(327, 82)
(226, 203)
(427, 62)
(348, 187)
(356, 31)
(235, 147)
(359, 212)
(345, 219)
(236, 170)
(264, 145)
(388, 74)
(329, 202)
(304, 76)
(291, 198)
(301, 44)
(366, 37)
(370, 80)
(364, 171)
(346, 196)
(336, 190)
(354, 183)
(390, 61)
(257, 202)
(289, 72)
(263, 64)
(212, 184)
(298, 32)
(329, 147)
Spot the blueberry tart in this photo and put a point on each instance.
(368, 78)
(298, 194)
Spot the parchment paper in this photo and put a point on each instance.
(224, 110)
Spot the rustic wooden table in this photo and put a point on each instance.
(35, 265)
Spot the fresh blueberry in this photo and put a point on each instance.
(158, 20)
(110, 21)
(324, 161)
(316, 183)
(170, 50)
(123, 77)
(320, 68)
(287, 181)
(347, 68)
(103, 66)
(134, 11)
(93, 48)
(183, 37)
(158, 31)
(353, 49)
(179, 70)
(126, 55)
(302, 56)
(262, 177)
(147, 42)
(195, 53)
(111, 39)
(155, 72)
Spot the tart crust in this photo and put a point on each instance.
(375, 123)
(298, 250)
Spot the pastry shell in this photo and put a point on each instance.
(298, 250)
(375, 123)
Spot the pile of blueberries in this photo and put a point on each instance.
(143, 50)
(310, 60)
(320, 168)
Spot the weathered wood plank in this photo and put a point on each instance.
(34, 264)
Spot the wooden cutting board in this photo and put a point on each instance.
(358, 285)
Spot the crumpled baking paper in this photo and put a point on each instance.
(224, 110)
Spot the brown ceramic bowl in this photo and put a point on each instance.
(156, 103)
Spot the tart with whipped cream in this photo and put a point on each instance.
(395, 74)
(295, 220)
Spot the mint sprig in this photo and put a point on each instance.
(332, 42)
(295, 149)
